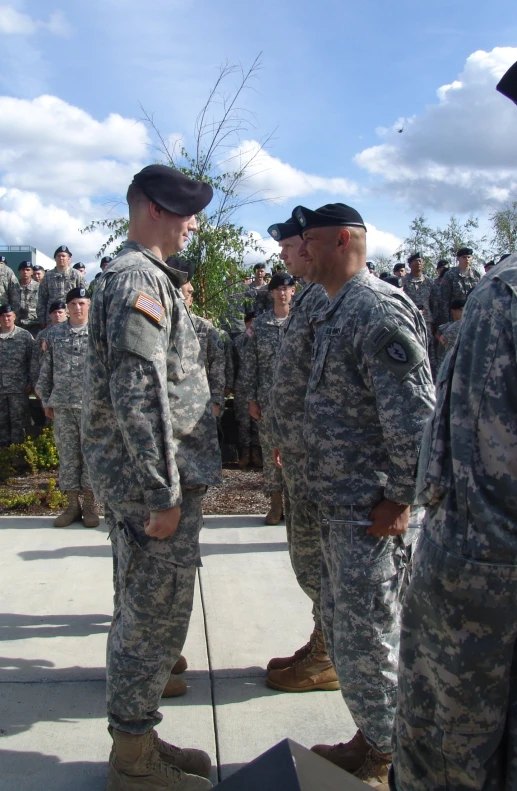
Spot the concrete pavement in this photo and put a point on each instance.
(55, 614)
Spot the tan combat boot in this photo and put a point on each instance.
(245, 458)
(180, 666)
(90, 513)
(315, 671)
(276, 510)
(136, 765)
(374, 772)
(281, 662)
(350, 756)
(72, 512)
(194, 762)
(175, 687)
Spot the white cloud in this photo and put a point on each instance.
(15, 23)
(278, 181)
(459, 154)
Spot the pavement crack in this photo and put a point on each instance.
(211, 677)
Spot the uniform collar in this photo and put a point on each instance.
(178, 278)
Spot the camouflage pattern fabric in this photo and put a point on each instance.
(54, 287)
(16, 349)
(419, 290)
(248, 427)
(456, 284)
(449, 332)
(455, 727)
(238, 305)
(148, 420)
(27, 316)
(9, 288)
(73, 472)
(369, 395)
(436, 303)
(60, 381)
(154, 589)
(229, 373)
(259, 297)
(272, 474)
(40, 341)
(14, 417)
(212, 356)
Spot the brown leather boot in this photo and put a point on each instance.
(281, 662)
(374, 771)
(180, 666)
(315, 671)
(350, 756)
(90, 513)
(175, 687)
(245, 458)
(72, 512)
(256, 456)
(135, 765)
(276, 510)
(194, 762)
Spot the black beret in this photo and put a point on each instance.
(457, 304)
(62, 249)
(330, 215)
(2, 259)
(280, 279)
(76, 293)
(58, 305)
(442, 262)
(249, 316)
(25, 265)
(398, 267)
(464, 251)
(392, 280)
(6, 309)
(174, 192)
(507, 85)
(284, 230)
(489, 263)
(38, 268)
(414, 257)
(107, 259)
(182, 265)
(78, 265)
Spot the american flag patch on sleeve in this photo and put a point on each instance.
(150, 307)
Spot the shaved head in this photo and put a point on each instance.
(333, 254)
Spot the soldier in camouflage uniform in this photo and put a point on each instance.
(9, 286)
(369, 394)
(419, 288)
(58, 314)
(27, 316)
(38, 273)
(435, 300)
(259, 367)
(249, 443)
(447, 333)
(258, 293)
(57, 283)
(310, 667)
(151, 445)
(60, 386)
(16, 347)
(458, 282)
(455, 727)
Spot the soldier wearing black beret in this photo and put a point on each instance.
(27, 316)
(38, 273)
(16, 348)
(459, 281)
(57, 283)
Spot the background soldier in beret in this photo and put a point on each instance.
(151, 444)
(458, 282)
(446, 334)
(455, 724)
(57, 311)
(259, 365)
(419, 287)
(9, 286)
(258, 291)
(249, 442)
(57, 283)
(399, 270)
(309, 668)
(38, 273)
(16, 347)
(27, 316)
(80, 267)
(435, 300)
(369, 395)
(60, 387)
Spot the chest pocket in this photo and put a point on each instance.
(319, 356)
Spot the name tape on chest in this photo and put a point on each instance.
(333, 331)
(151, 307)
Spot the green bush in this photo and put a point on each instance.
(51, 497)
(29, 457)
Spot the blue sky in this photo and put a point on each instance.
(336, 79)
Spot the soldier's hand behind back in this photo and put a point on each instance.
(389, 519)
(163, 524)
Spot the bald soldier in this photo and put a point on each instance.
(369, 394)
(150, 441)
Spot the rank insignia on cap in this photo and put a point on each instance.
(62, 249)
(150, 307)
(275, 233)
(82, 292)
(300, 218)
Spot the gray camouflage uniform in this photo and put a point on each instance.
(15, 366)
(260, 297)
(449, 332)
(369, 395)
(248, 426)
(259, 368)
(27, 316)
(456, 723)
(457, 284)
(211, 355)
(60, 385)
(55, 286)
(9, 288)
(38, 352)
(293, 367)
(150, 442)
(420, 290)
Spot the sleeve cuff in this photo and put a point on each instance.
(398, 493)
(161, 499)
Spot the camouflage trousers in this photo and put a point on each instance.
(303, 531)
(248, 427)
(14, 416)
(362, 583)
(273, 481)
(456, 722)
(73, 472)
(154, 590)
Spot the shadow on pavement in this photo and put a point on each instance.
(241, 549)
(32, 771)
(15, 626)
(105, 552)
(42, 523)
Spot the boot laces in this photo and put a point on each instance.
(165, 770)
(372, 767)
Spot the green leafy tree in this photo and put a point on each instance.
(438, 243)
(504, 229)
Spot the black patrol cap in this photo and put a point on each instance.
(284, 230)
(464, 251)
(442, 264)
(280, 279)
(106, 260)
(58, 305)
(327, 216)
(63, 249)
(25, 265)
(38, 268)
(249, 316)
(182, 265)
(414, 257)
(6, 309)
(458, 304)
(507, 85)
(76, 293)
(79, 265)
(174, 192)
(489, 265)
